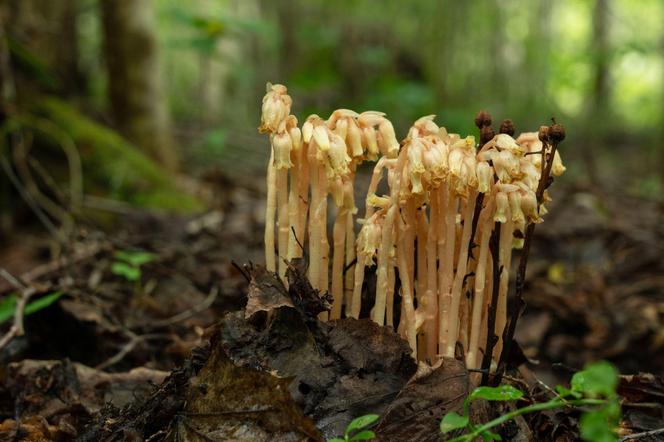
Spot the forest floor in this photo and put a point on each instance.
(135, 346)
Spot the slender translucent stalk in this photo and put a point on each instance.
(356, 303)
(270, 213)
(457, 285)
(446, 272)
(303, 195)
(350, 257)
(282, 207)
(431, 296)
(324, 244)
(314, 227)
(339, 244)
(389, 303)
(504, 262)
(409, 329)
(486, 220)
(294, 250)
(378, 312)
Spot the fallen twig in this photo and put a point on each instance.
(182, 316)
(25, 292)
(636, 436)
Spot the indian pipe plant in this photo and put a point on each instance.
(442, 235)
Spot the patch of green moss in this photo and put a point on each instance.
(114, 166)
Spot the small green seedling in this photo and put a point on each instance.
(128, 264)
(595, 386)
(357, 426)
(8, 305)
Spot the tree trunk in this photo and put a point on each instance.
(136, 96)
(601, 51)
(46, 31)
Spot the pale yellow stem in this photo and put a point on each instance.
(409, 330)
(431, 295)
(422, 296)
(314, 227)
(339, 241)
(324, 243)
(504, 262)
(446, 270)
(294, 249)
(303, 195)
(270, 213)
(378, 312)
(389, 304)
(486, 225)
(282, 206)
(457, 285)
(350, 257)
(356, 303)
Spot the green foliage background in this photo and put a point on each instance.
(523, 59)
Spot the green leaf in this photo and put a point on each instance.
(125, 270)
(42, 303)
(565, 392)
(453, 421)
(135, 258)
(595, 427)
(361, 422)
(336, 439)
(502, 393)
(597, 379)
(364, 435)
(489, 435)
(8, 305)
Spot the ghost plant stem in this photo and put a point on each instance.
(339, 247)
(270, 211)
(349, 277)
(314, 225)
(457, 286)
(486, 225)
(284, 230)
(378, 312)
(294, 249)
(430, 298)
(409, 330)
(446, 274)
(323, 284)
(303, 194)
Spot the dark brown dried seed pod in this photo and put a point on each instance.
(482, 119)
(556, 133)
(486, 134)
(543, 134)
(507, 127)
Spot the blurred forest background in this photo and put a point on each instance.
(181, 82)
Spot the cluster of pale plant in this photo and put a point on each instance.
(446, 197)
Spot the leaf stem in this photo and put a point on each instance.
(553, 403)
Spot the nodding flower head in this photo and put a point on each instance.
(434, 158)
(557, 168)
(276, 107)
(502, 208)
(388, 139)
(529, 206)
(484, 177)
(369, 238)
(506, 142)
(336, 155)
(506, 165)
(515, 206)
(423, 126)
